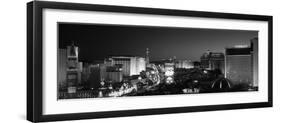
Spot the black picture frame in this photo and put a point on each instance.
(34, 60)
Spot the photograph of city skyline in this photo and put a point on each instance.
(107, 60)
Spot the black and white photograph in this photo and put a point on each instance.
(111, 60)
(91, 60)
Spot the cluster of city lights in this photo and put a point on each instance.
(121, 92)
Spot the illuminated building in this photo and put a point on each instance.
(103, 70)
(139, 66)
(187, 64)
(80, 69)
(131, 65)
(213, 61)
(62, 66)
(114, 73)
(169, 72)
(239, 64)
(86, 72)
(74, 68)
(255, 59)
(114, 68)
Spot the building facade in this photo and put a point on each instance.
(95, 76)
(213, 61)
(115, 68)
(114, 73)
(74, 69)
(169, 72)
(186, 64)
(255, 60)
(239, 65)
(62, 67)
(130, 65)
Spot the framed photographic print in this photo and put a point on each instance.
(95, 61)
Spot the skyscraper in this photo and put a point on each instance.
(114, 73)
(212, 61)
(72, 75)
(239, 65)
(187, 64)
(255, 59)
(131, 65)
(62, 67)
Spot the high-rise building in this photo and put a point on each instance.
(86, 71)
(239, 65)
(131, 65)
(105, 72)
(103, 69)
(139, 66)
(80, 69)
(62, 67)
(114, 73)
(187, 64)
(73, 74)
(255, 59)
(95, 76)
(212, 61)
(169, 72)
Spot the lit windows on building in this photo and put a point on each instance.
(186, 64)
(74, 68)
(131, 65)
(169, 72)
(213, 61)
(238, 65)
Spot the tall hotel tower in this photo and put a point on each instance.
(241, 64)
(255, 59)
(72, 73)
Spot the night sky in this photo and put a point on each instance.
(97, 41)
